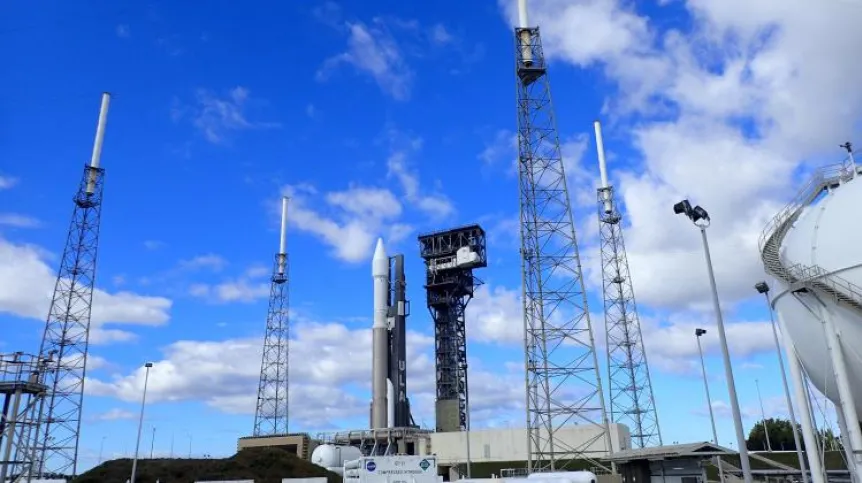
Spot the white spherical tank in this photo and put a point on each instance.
(332, 457)
(827, 234)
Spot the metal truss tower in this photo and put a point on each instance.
(67, 330)
(450, 257)
(563, 383)
(631, 395)
(271, 413)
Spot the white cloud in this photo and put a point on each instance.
(215, 117)
(247, 287)
(725, 112)
(27, 282)
(359, 216)
(7, 182)
(496, 315)
(153, 244)
(209, 261)
(114, 414)
(330, 366)
(123, 31)
(16, 220)
(372, 50)
(440, 35)
(437, 206)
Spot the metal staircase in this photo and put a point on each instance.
(808, 277)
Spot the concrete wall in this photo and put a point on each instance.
(510, 444)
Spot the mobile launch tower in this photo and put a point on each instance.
(65, 342)
(563, 383)
(630, 386)
(390, 406)
(271, 413)
(450, 258)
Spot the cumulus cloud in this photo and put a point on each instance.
(27, 283)
(330, 367)
(725, 111)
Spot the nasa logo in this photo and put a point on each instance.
(370, 466)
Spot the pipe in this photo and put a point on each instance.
(808, 434)
(796, 439)
(95, 159)
(845, 394)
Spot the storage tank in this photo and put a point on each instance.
(332, 457)
(572, 476)
(827, 235)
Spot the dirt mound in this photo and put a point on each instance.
(264, 465)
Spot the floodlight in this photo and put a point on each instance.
(761, 287)
(699, 332)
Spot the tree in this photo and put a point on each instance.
(781, 436)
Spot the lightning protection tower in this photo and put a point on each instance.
(563, 383)
(66, 337)
(631, 396)
(271, 413)
(450, 257)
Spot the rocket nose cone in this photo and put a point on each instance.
(379, 251)
(380, 262)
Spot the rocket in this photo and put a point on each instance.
(390, 406)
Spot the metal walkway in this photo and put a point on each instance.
(810, 277)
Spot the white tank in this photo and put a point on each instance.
(829, 235)
(572, 476)
(332, 457)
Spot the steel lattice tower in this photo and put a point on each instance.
(271, 413)
(67, 330)
(562, 372)
(631, 395)
(450, 257)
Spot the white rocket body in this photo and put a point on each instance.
(380, 339)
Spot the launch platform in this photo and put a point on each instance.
(383, 441)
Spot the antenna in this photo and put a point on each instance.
(97, 144)
(603, 170)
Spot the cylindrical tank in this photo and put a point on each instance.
(826, 235)
(571, 476)
(332, 457)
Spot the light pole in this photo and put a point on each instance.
(101, 448)
(697, 334)
(763, 287)
(763, 417)
(148, 365)
(153, 442)
(700, 218)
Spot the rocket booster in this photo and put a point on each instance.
(390, 406)
(380, 338)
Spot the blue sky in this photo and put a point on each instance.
(392, 119)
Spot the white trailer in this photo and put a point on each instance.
(391, 469)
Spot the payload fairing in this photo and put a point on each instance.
(390, 407)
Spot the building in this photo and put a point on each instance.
(679, 463)
(299, 444)
(492, 450)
